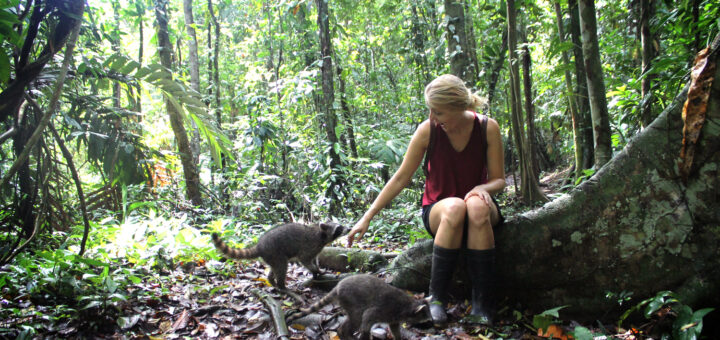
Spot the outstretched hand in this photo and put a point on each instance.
(358, 230)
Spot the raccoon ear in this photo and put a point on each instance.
(420, 308)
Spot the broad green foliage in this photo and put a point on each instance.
(7, 36)
(687, 324)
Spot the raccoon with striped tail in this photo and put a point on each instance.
(285, 243)
(367, 300)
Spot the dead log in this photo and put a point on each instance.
(345, 260)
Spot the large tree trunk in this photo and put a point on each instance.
(635, 226)
(457, 43)
(192, 179)
(595, 83)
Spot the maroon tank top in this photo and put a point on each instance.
(452, 173)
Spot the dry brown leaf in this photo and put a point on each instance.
(181, 322)
(554, 332)
(695, 107)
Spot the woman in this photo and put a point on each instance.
(464, 170)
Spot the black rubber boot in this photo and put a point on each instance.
(443, 267)
(481, 269)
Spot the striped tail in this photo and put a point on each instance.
(330, 297)
(235, 253)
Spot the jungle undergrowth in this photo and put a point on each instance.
(143, 272)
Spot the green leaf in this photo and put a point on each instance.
(544, 319)
(582, 333)
(92, 304)
(127, 322)
(110, 285)
(91, 262)
(4, 66)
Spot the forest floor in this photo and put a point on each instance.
(229, 300)
(194, 300)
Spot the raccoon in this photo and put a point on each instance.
(285, 243)
(368, 300)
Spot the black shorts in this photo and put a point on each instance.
(426, 219)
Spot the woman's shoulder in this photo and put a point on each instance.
(422, 133)
(492, 124)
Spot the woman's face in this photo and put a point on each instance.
(448, 120)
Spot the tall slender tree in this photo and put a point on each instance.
(536, 154)
(140, 12)
(346, 114)
(330, 120)
(418, 39)
(595, 82)
(497, 66)
(215, 69)
(194, 68)
(165, 50)
(647, 39)
(581, 89)
(575, 118)
(529, 186)
(471, 42)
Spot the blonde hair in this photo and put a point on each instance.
(449, 92)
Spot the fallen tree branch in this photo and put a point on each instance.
(276, 313)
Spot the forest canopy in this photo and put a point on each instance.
(131, 129)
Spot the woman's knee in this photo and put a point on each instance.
(453, 212)
(478, 211)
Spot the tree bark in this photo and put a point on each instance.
(581, 91)
(347, 115)
(647, 38)
(418, 39)
(457, 43)
(63, 21)
(192, 46)
(115, 46)
(330, 121)
(636, 226)
(572, 103)
(536, 153)
(495, 72)
(194, 68)
(471, 44)
(192, 179)
(140, 7)
(595, 82)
